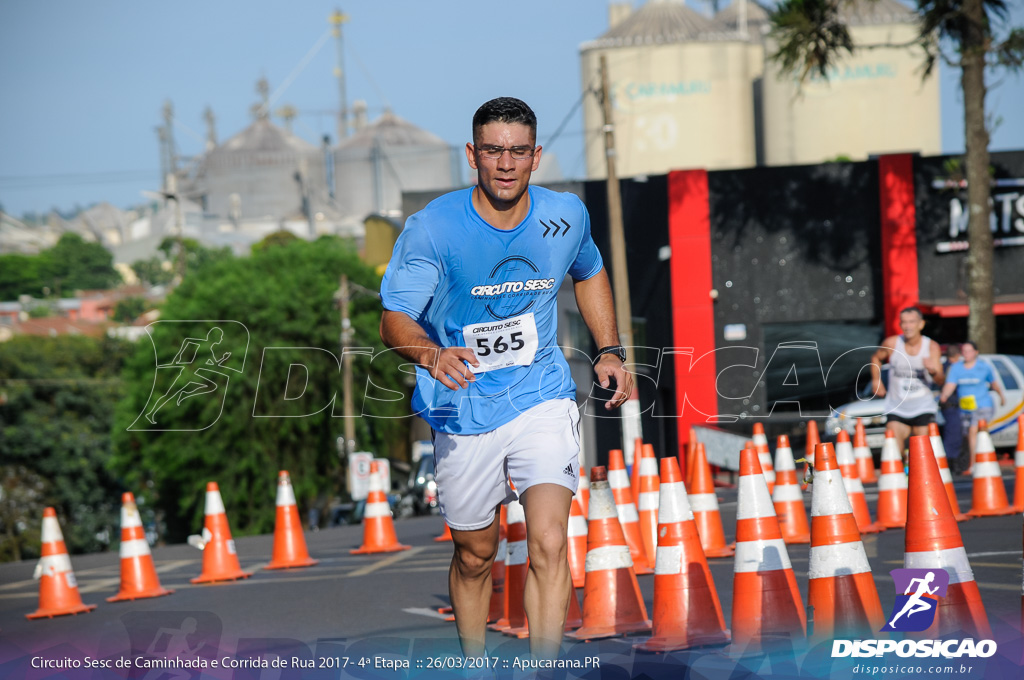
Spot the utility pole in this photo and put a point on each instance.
(337, 20)
(344, 297)
(631, 428)
(172, 195)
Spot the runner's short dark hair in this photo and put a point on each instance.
(505, 110)
(915, 310)
(973, 345)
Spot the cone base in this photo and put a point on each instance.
(499, 626)
(50, 613)
(222, 577)
(724, 551)
(671, 643)
(443, 539)
(522, 632)
(294, 564)
(364, 550)
(131, 595)
(598, 632)
(994, 512)
(891, 525)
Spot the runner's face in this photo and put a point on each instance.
(911, 324)
(503, 179)
(970, 354)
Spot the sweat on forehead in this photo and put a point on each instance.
(504, 110)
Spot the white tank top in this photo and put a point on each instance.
(909, 392)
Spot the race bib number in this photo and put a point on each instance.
(501, 344)
(968, 402)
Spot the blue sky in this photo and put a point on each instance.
(83, 83)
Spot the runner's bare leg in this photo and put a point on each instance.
(469, 584)
(548, 582)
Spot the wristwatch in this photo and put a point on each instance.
(617, 350)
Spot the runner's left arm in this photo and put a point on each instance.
(594, 298)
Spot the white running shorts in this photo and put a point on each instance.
(540, 446)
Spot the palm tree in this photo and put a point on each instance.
(967, 34)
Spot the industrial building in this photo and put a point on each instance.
(690, 91)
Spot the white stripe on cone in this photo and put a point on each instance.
(953, 560)
(379, 509)
(703, 502)
(285, 495)
(838, 560)
(759, 503)
(214, 504)
(136, 547)
(761, 555)
(608, 557)
(824, 503)
(577, 526)
(674, 506)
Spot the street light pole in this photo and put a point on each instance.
(344, 297)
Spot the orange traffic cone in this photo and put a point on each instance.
(445, 536)
(647, 502)
(935, 439)
(517, 566)
(289, 542)
(629, 518)
(612, 602)
(892, 486)
(1018, 460)
(691, 451)
(138, 575)
(861, 452)
(634, 470)
(788, 500)
(497, 610)
(58, 589)
(704, 504)
(847, 462)
(933, 542)
(220, 561)
(687, 612)
(577, 546)
(764, 456)
(989, 495)
(813, 439)
(583, 491)
(766, 602)
(841, 591)
(378, 528)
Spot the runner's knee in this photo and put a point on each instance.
(547, 546)
(474, 561)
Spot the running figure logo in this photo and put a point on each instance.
(200, 367)
(915, 608)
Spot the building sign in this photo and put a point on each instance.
(1006, 218)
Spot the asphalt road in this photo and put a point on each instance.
(352, 607)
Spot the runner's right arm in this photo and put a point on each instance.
(880, 356)
(445, 364)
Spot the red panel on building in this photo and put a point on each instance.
(899, 237)
(693, 312)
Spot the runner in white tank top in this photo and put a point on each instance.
(914, 367)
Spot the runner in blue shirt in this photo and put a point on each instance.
(470, 297)
(972, 379)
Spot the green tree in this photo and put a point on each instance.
(152, 271)
(76, 264)
(19, 275)
(284, 296)
(129, 309)
(55, 420)
(188, 254)
(971, 35)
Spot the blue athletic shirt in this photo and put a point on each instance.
(972, 383)
(469, 284)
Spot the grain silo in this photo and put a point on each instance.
(874, 102)
(682, 91)
(384, 158)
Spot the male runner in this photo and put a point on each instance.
(914, 365)
(470, 297)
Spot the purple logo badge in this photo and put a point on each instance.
(917, 598)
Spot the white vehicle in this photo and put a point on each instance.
(1009, 371)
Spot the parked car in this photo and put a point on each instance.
(1009, 371)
